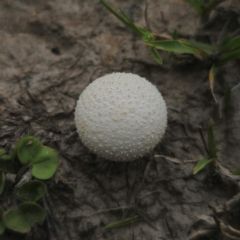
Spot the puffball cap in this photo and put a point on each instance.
(121, 116)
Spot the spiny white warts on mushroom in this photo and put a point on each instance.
(121, 116)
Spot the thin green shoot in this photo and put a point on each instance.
(211, 150)
(122, 223)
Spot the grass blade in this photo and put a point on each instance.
(234, 44)
(155, 55)
(171, 46)
(122, 223)
(201, 46)
(225, 58)
(225, 101)
(212, 74)
(182, 46)
(125, 20)
(195, 49)
(202, 164)
(223, 43)
(135, 28)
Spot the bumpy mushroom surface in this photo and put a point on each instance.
(121, 116)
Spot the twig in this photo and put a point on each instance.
(110, 209)
(146, 16)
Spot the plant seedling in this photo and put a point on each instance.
(43, 162)
(31, 153)
(211, 150)
(227, 50)
(22, 218)
(155, 41)
(42, 159)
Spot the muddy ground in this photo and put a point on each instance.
(50, 51)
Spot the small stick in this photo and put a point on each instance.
(146, 16)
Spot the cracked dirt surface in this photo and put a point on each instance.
(49, 52)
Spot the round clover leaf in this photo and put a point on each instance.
(42, 159)
(22, 218)
(31, 191)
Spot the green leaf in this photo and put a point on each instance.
(212, 74)
(22, 218)
(2, 181)
(202, 164)
(44, 165)
(230, 44)
(28, 148)
(147, 37)
(31, 191)
(2, 221)
(181, 46)
(225, 101)
(122, 223)
(155, 55)
(212, 149)
(223, 43)
(131, 25)
(227, 57)
(43, 160)
(202, 47)
(171, 46)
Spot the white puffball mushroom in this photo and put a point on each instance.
(121, 116)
